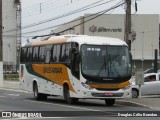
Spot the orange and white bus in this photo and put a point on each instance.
(76, 67)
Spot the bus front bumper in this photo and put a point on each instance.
(121, 93)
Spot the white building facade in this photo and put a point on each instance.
(146, 28)
(9, 21)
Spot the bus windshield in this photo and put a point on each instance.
(105, 61)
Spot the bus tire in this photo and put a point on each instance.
(109, 102)
(135, 93)
(37, 95)
(67, 97)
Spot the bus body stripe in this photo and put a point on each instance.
(110, 86)
(56, 73)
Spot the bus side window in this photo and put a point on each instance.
(67, 53)
(35, 54)
(23, 54)
(29, 54)
(54, 54)
(48, 53)
(58, 52)
(64, 53)
(41, 54)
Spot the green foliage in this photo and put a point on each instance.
(10, 76)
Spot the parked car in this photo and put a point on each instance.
(151, 85)
(151, 70)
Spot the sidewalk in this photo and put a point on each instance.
(152, 102)
(146, 101)
(11, 84)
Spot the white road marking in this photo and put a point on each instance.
(12, 94)
(63, 105)
(3, 96)
(22, 91)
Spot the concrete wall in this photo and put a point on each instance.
(9, 38)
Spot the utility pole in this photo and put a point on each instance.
(18, 2)
(1, 47)
(128, 32)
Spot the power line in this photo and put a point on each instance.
(65, 15)
(37, 4)
(32, 11)
(44, 8)
(43, 11)
(98, 14)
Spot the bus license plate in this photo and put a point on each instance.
(108, 94)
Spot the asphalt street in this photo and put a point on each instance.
(56, 107)
(151, 101)
(13, 99)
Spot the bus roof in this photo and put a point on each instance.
(81, 39)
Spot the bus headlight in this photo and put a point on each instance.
(86, 86)
(127, 87)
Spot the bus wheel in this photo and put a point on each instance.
(67, 97)
(109, 102)
(37, 95)
(135, 93)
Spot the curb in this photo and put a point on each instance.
(131, 103)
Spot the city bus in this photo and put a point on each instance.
(76, 67)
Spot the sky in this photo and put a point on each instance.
(36, 11)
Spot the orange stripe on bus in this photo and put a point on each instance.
(110, 86)
(48, 42)
(57, 73)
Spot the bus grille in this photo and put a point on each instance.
(105, 89)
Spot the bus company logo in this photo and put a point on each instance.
(52, 70)
(93, 28)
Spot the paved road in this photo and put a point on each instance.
(20, 101)
(152, 101)
(12, 98)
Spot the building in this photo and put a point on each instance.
(10, 33)
(145, 26)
